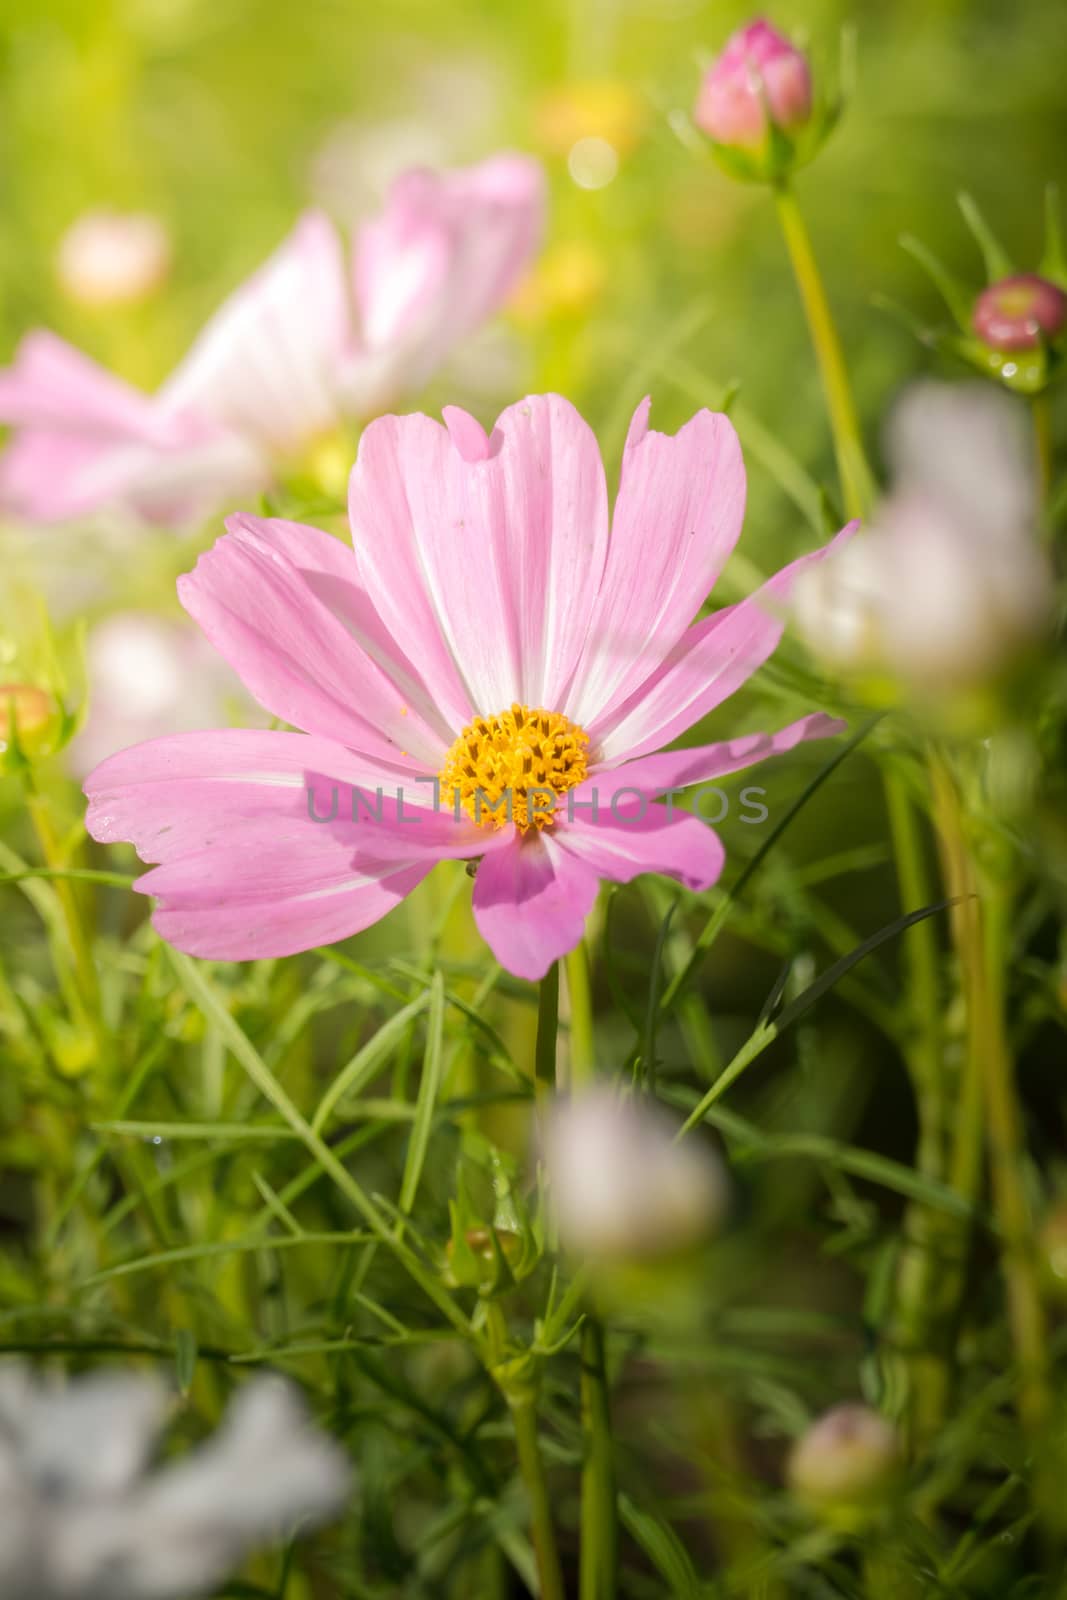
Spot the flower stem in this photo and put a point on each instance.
(547, 1030)
(1004, 1134)
(580, 1006)
(1042, 415)
(915, 1332)
(981, 924)
(70, 905)
(532, 1468)
(857, 484)
(599, 1550)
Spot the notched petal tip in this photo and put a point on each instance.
(467, 434)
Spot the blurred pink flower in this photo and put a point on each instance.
(113, 258)
(304, 343)
(150, 675)
(484, 635)
(948, 587)
(760, 79)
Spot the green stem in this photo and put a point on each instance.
(981, 924)
(1042, 415)
(599, 1548)
(532, 1468)
(1004, 1134)
(70, 904)
(580, 1006)
(857, 484)
(924, 1367)
(545, 1049)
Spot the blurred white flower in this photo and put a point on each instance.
(149, 676)
(621, 1188)
(949, 585)
(848, 1460)
(81, 1518)
(113, 258)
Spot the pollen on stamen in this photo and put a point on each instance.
(492, 767)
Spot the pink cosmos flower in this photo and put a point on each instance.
(306, 342)
(485, 639)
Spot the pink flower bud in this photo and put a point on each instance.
(847, 1461)
(29, 708)
(1017, 312)
(108, 258)
(760, 79)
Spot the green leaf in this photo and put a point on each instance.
(429, 1089)
(998, 263)
(766, 1033)
(663, 1548)
(957, 295)
(1054, 260)
(368, 1060)
(185, 1354)
(718, 917)
(240, 1046)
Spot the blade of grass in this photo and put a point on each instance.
(244, 1052)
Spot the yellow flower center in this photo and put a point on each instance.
(513, 767)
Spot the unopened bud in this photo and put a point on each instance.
(759, 81)
(623, 1188)
(110, 258)
(1019, 312)
(847, 1463)
(26, 710)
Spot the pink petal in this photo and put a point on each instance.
(294, 653)
(395, 499)
(267, 364)
(530, 903)
(677, 518)
(484, 569)
(634, 837)
(441, 259)
(214, 905)
(182, 793)
(86, 440)
(178, 795)
(52, 385)
(677, 769)
(331, 572)
(245, 870)
(710, 663)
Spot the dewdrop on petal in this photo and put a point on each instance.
(112, 258)
(847, 1464)
(621, 1187)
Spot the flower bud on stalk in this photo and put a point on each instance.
(27, 717)
(1018, 312)
(757, 105)
(760, 80)
(846, 1465)
(622, 1188)
(1012, 330)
